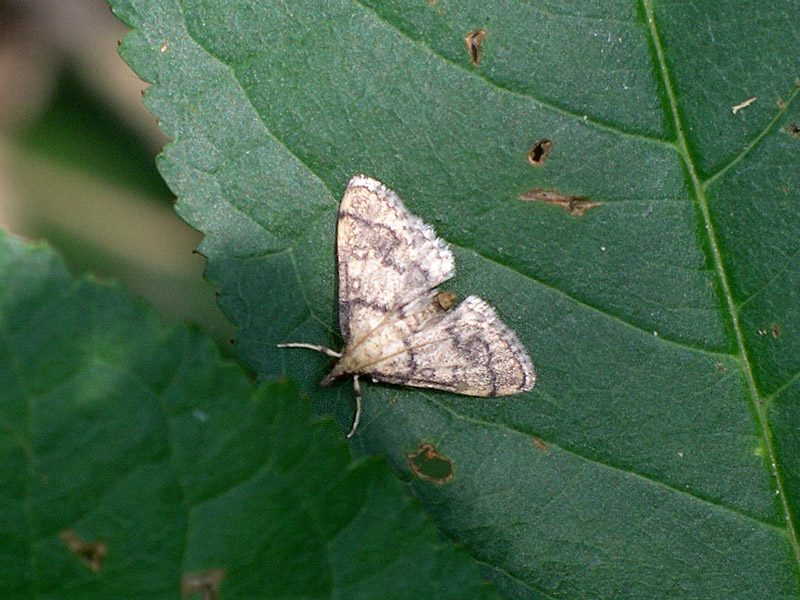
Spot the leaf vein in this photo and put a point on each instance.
(584, 304)
(544, 104)
(716, 256)
(608, 466)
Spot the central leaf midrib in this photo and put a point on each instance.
(719, 266)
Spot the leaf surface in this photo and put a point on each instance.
(657, 456)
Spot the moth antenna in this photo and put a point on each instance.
(323, 349)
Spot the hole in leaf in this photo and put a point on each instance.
(539, 151)
(474, 43)
(427, 463)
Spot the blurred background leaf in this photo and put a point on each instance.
(77, 154)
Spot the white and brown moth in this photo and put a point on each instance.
(397, 327)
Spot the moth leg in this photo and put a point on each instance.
(322, 349)
(357, 417)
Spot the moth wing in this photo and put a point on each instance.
(468, 350)
(387, 257)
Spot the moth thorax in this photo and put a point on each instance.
(364, 353)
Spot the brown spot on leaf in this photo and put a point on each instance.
(445, 300)
(541, 444)
(427, 463)
(205, 583)
(474, 43)
(792, 129)
(574, 205)
(539, 151)
(90, 553)
(776, 331)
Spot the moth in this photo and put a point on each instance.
(396, 325)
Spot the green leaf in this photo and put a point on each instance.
(657, 457)
(135, 463)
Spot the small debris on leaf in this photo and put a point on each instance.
(205, 583)
(541, 444)
(90, 553)
(744, 104)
